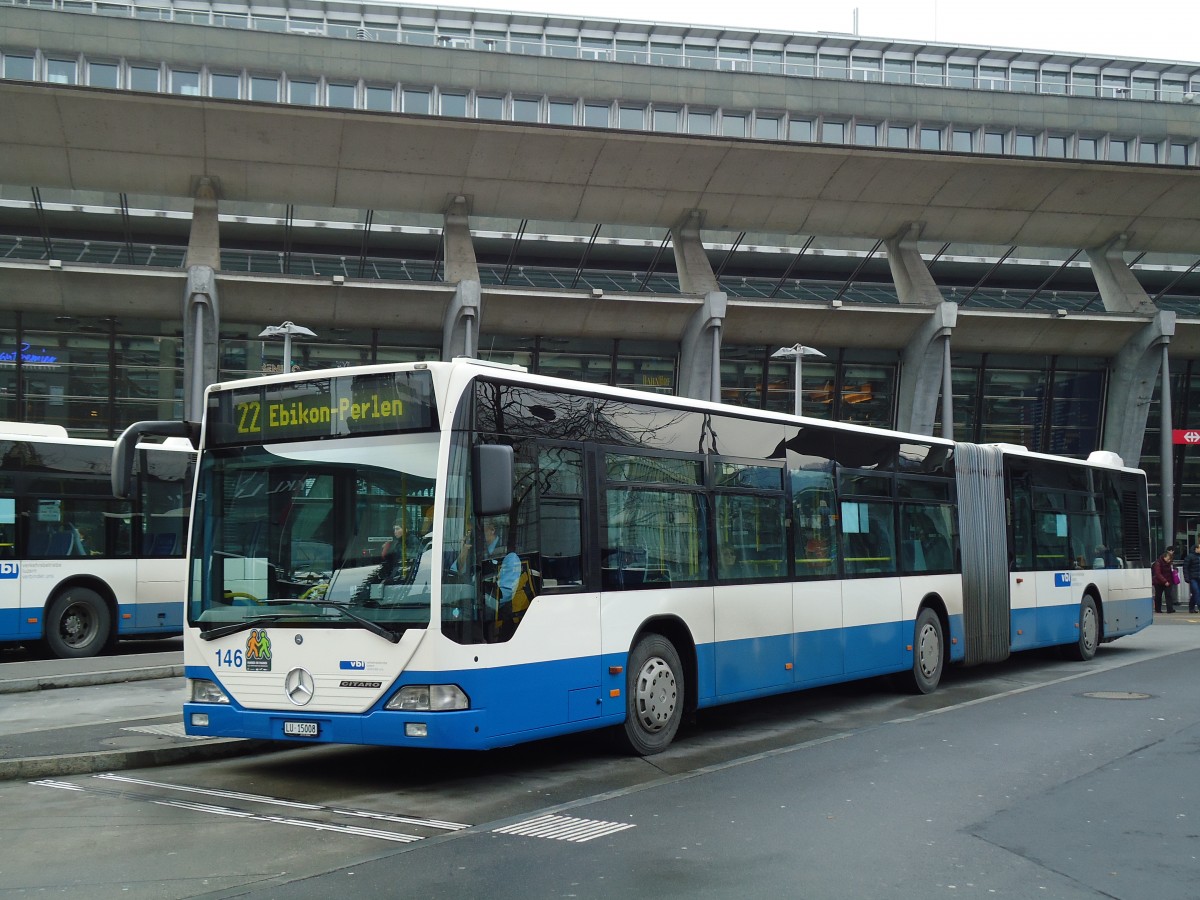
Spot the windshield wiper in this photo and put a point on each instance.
(220, 631)
(373, 627)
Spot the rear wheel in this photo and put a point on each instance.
(654, 694)
(78, 624)
(1085, 646)
(928, 644)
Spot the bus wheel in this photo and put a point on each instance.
(1089, 632)
(928, 641)
(78, 624)
(654, 693)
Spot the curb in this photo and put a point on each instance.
(88, 679)
(114, 760)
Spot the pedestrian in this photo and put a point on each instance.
(1191, 575)
(1163, 575)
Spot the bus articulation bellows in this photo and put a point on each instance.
(464, 555)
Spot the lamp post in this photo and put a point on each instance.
(285, 331)
(796, 352)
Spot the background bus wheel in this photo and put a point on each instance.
(78, 624)
(654, 695)
(1089, 632)
(928, 642)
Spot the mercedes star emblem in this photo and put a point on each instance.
(299, 686)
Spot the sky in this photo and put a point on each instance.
(1150, 29)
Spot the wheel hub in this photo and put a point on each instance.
(657, 693)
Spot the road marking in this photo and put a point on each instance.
(564, 828)
(292, 804)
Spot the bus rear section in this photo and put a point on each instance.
(80, 569)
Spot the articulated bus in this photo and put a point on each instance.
(464, 555)
(78, 568)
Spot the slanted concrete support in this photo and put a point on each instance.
(700, 344)
(201, 312)
(1131, 382)
(460, 329)
(1119, 289)
(914, 285)
(923, 373)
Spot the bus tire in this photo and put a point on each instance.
(654, 695)
(78, 624)
(929, 643)
(1085, 645)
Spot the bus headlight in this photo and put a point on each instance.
(429, 697)
(205, 691)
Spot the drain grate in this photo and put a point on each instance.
(564, 828)
(1116, 695)
(173, 730)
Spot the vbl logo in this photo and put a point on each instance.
(354, 665)
(9, 569)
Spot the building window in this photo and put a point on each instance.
(631, 51)
(699, 122)
(1054, 82)
(562, 112)
(1144, 88)
(1172, 89)
(489, 107)
(379, 98)
(596, 115)
(1086, 148)
(263, 89)
(866, 135)
(963, 141)
(1147, 152)
(733, 125)
(1023, 81)
(340, 95)
(897, 136)
(18, 67)
(1084, 84)
(226, 87)
(766, 128)
(833, 66)
(103, 75)
(1056, 146)
(1114, 85)
(930, 72)
(931, 139)
(666, 120)
(525, 110)
(631, 118)
(143, 78)
(801, 63)
(993, 78)
(800, 130)
(961, 75)
(1178, 154)
(62, 71)
(993, 142)
(302, 93)
(1025, 145)
(416, 101)
(897, 71)
(1118, 150)
(453, 104)
(185, 83)
(866, 68)
(833, 132)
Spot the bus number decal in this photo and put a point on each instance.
(229, 659)
(248, 416)
(9, 569)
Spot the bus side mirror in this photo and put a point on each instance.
(125, 449)
(492, 479)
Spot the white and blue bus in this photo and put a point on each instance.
(464, 555)
(78, 568)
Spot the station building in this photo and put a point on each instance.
(657, 206)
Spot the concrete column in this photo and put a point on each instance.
(922, 372)
(1131, 385)
(914, 285)
(1119, 289)
(201, 312)
(700, 344)
(460, 329)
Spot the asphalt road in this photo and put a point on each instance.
(1033, 778)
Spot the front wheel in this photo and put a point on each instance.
(654, 695)
(78, 624)
(928, 642)
(1085, 646)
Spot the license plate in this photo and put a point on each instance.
(301, 729)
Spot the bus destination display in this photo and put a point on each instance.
(323, 407)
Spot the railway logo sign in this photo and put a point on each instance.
(1186, 436)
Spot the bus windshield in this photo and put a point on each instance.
(319, 533)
